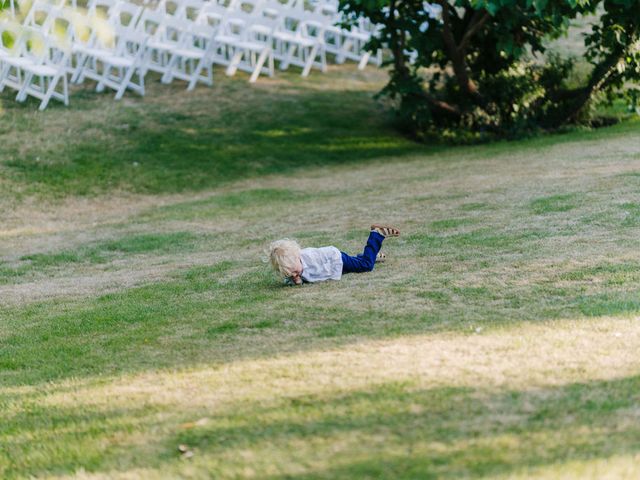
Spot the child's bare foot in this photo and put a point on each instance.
(381, 257)
(385, 230)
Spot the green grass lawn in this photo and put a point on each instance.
(143, 336)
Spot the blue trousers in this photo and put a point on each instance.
(365, 261)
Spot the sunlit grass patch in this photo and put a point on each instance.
(466, 404)
(555, 203)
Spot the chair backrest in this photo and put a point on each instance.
(183, 9)
(40, 14)
(199, 35)
(174, 30)
(101, 8)
(82, 26)
(190, 9)
(272, 9)
(297, 21)
(60, 28)
(129, 43)
(212, 14)
(41, 49)
(251, 7)
(125, 15)
(151, 23)
(168, 7)
(10, 37)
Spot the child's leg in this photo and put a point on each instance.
(365, 261)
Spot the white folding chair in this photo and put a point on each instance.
(212, 14)
(101, 8)
(194, 56)
(353, 44)
(243, 44)
(298, 39)
(116, 66)
(125, 15)
(40, 14)
(10, 60)
(161, 41)
(44, 67)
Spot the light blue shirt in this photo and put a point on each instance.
(320, 264)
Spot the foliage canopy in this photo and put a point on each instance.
(481, 66)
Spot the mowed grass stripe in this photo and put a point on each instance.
(490, 408)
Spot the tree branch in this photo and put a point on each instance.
(477, 22)
(457, 55)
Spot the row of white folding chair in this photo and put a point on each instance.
(178, 47)
(324, 17)
(101, 47)
(292, 45)
(249, 50)
(298, 38)
(342, 43)
(32, 64)
(252, 34)
(242, 43)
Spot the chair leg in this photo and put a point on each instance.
(340, 58)
(259, 64)
(284, 64)
(125, 82)
(310, 59)
(22, 93)
(53, 81)
(195, 75)
(3, 73)
(233, 65)
(65, 89)
(167, 77)
(364, 60)
(106, 68)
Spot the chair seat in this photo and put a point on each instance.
(226, 39)
(257, 46)
(364, 36)
(261, 29)
(115, 61)
(42, 70)
(188, 53)
(292, 38)
(161, 45)
(19, 62)
(91, 51)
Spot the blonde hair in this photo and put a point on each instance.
(284, 256)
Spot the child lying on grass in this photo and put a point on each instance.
(297, 265)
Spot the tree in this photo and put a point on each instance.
(479, 66)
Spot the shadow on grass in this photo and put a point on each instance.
(391, 431)
(444, 432)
